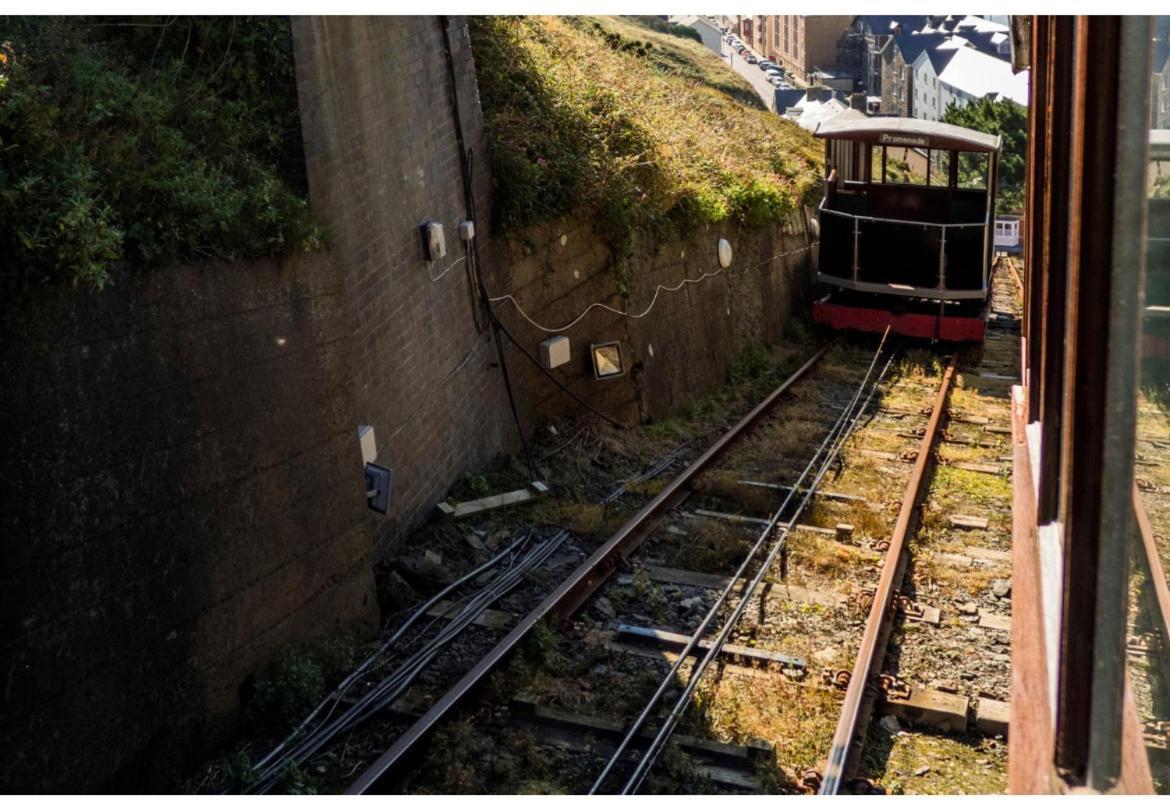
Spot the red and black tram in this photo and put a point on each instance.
(906, 227)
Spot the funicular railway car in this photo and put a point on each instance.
(906, 227)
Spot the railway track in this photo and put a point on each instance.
(755, 625)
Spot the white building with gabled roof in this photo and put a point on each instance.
(961, 74)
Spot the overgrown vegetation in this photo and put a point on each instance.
(147, 140)
(665, 27)
(643, 131)
(294, 682)
(1009, 120)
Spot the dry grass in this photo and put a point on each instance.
(589, 519)
(826, 557)
(798, 719)
(643, 126)
(949, 576)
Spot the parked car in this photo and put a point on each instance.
(766, 65)
(750, 59)
(776, 81)
(774, 73)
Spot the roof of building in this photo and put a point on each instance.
(885, 24)
(940, 57)
(907, 131)
(810, 114)
(980, 75)
(787, 98)
(981, 25)
(912, 44)
(988, 42)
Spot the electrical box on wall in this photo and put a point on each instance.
(554, 352)
(378, 480)
(434, 243)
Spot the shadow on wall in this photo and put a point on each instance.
(180, 497)
(692, 316)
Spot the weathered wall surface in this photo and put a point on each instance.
(180, 479)
(683, 346)
(383, 154)
(181, 494)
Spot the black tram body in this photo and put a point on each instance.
(906, 227)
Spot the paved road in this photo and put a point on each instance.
(751, 72)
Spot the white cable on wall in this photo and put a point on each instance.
(653, 301)
(445, 270)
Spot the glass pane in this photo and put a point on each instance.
(875, 163)
(905, 165)
(1149, 628)
(940, 168)
(972, 170)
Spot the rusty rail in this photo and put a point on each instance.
(847, 740)
(573, 591)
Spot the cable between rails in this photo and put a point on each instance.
(829, 448)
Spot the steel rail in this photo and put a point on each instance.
(574, 590)
(876, 633)
(773, 525)
(848, 425)
(1154, 565)
(1011, 264)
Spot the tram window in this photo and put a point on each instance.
(875, 165)
(1149, 619)
(972, 170)
(905, 166)
(940, 168)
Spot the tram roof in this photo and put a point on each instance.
(907, 131)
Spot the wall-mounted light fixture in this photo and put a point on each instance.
(607, 360)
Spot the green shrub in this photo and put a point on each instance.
(750, 364)
(285, 691)
(151, 142)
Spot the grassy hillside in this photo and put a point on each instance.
(643, 130)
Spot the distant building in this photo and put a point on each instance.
(819, 104)
(898, 57)
(1160, 80)
(1007, 234)
(926, 102)
(785, 99)
(801, 44)
(712, 36)
(969, 75)
(861, 51)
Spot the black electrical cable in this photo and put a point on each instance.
(465, 159)
(553, 377)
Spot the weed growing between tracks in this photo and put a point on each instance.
(924, 762)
